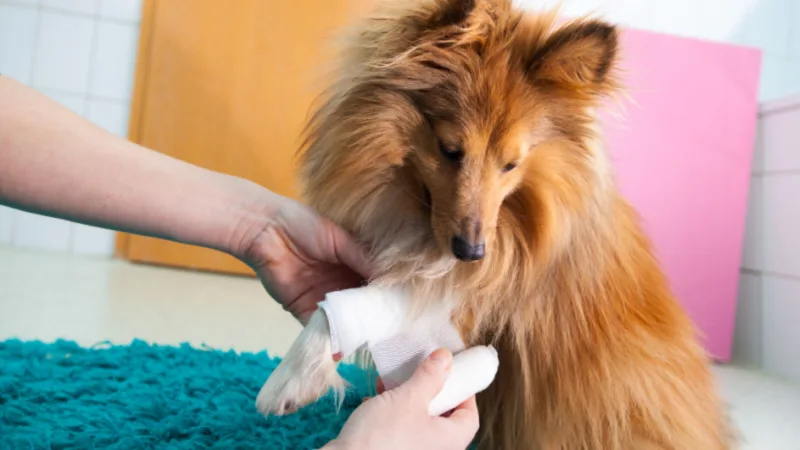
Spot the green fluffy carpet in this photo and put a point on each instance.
(63, 396)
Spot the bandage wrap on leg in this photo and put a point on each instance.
(399, 342)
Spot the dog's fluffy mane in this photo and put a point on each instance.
(569, 290)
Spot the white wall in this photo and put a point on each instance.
(82, 53)
(768, 319)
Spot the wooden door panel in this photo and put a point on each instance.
(227, 85)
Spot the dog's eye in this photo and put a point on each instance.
(509, 167)
(453, 153)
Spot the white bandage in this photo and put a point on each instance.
(399, 342)
(473, 371)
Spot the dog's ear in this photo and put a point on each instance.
(580, 55)
(419, 38)
(449, 12)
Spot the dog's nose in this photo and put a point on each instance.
(465, 251)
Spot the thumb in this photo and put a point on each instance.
(430, 376)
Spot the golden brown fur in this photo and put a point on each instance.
(595, 351)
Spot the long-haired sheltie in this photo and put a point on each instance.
(458, 142)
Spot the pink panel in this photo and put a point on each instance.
(682, 154)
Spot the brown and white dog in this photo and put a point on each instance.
(458, 143)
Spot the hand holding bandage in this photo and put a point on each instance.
(399, 341)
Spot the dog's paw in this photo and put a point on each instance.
(306, 373)
(287, 390)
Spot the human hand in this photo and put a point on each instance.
(398, 419)
(300, 256)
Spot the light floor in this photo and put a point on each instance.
(49, 296)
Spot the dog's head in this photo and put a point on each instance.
(459, 98)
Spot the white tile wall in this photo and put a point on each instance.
(781, 333)
(774, 76)
(767, 24)
(794, 34)
(24, 2)
(82, 54)
(753, 253)
(112, 116)
(77, 103)
(40, 232)
(64, 52)
(749, 331)
(88, 240)
(77, 6)
(17, 41)
(127, 10)
(781, 135)
(767, 331)
(7, 216)
(792, 83)
(672, 17)
(631, 13)
(781, 222)
(115, 57)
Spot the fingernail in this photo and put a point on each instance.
(442, 357)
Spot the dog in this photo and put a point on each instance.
(458, 142)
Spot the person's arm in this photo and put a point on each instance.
(54, 162)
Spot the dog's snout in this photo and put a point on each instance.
(471, 230)
(466, 251)
(467, 243)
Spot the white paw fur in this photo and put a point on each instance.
(307, 372)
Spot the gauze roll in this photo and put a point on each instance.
(473, 371)
(398, 342)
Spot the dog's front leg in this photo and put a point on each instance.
(306, 373)
(345, 321)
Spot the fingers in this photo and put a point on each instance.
(430, 376)
(465, 415)
(469, 407)
(379, 387)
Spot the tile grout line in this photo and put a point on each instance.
(777, 110)
(784, 276)
(87, 96)
(66, 12)
(31, 78)
(767, 173)
(92, 58)
(87, 105)
(790, 37)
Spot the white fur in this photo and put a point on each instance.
(306, 373)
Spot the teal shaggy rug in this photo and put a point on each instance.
(140, 396)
